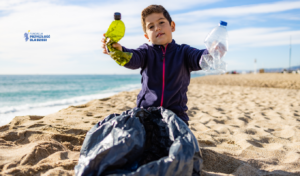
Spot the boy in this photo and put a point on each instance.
(165, 65)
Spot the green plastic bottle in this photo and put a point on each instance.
(115, 33)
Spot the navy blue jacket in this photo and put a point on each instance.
(165, 75)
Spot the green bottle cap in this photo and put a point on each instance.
(117, 16)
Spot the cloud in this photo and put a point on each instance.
(254, 37)
(239, 11)
(289, 16)
(196, 25)
(194, 35)
(76, 30)
(123, 5)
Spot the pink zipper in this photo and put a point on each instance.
(163, 76)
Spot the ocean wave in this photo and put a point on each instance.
(9, 112)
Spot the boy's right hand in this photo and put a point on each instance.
(115, 45)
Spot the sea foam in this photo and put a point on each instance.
(9, 112)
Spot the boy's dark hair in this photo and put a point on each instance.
(154, 9)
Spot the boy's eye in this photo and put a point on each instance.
(150, 27)
(161, 22)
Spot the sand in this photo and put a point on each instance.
(245, 125)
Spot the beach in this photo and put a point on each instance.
(245, 125)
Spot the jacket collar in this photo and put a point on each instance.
(170, 45)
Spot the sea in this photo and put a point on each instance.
(22, 95)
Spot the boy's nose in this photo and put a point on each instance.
(157, 28)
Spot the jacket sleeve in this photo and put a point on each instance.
(193, 57)
(139, 57)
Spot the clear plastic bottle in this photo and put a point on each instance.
(216, 43)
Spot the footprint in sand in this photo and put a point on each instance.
(89, 114)
(36, 125)
(35, 117)
(273, 146)
(251, 131)
(291, 157)
(104, 99)
(79, 106)
(286, 133)
(97, 117)
(4, 128)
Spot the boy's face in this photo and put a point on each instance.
(158, 29)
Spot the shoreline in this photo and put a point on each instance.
(45, 108)
(7, 113)
(244, 124)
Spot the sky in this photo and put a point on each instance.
(257, 29)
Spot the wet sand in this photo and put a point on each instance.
(245, 125)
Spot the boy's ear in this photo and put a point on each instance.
(146, 37)
(173, 26)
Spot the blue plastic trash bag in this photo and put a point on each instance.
(141, 142)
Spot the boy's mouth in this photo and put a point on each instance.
(159, 34)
